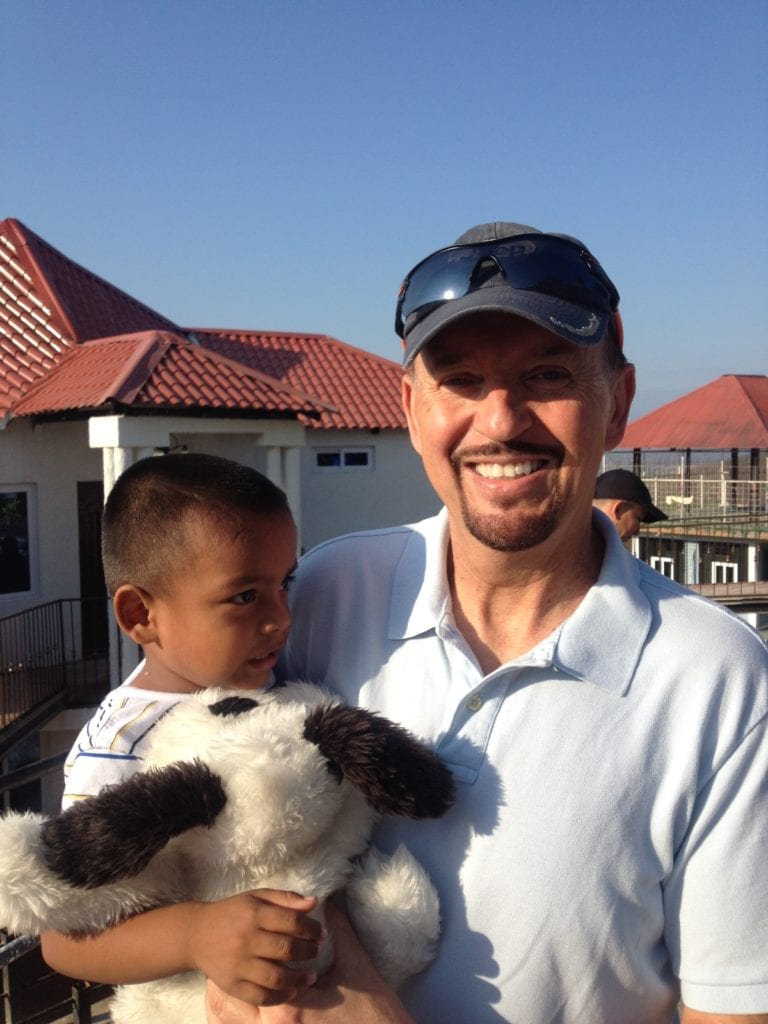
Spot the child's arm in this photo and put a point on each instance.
(237, 943)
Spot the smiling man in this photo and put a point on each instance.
(606, 728)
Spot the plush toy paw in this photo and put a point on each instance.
(395, 911)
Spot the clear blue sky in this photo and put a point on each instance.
(280, 165)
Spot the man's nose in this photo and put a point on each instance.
(502, 413)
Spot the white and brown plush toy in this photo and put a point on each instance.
(279, 790)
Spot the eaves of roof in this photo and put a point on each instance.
(157, 371)
(729, 413)
(363, 388)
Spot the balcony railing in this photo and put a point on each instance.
(49, 658)
(716, 501)
(31, 993)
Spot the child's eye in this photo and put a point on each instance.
(247, 597)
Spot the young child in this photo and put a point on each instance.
(198, 553)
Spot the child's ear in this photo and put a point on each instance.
(133, 612)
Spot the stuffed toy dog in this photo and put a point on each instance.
(280, 790)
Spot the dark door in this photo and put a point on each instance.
(93, 591)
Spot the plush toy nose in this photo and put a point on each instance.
(229, 706)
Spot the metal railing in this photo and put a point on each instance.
(50, 658)
(32, 993)
(45, 661)
(712, 500)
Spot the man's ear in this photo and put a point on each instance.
(407, 396)
(133, 611)
(622, 507)
(616, 508)
(623, 393)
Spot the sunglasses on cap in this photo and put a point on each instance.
(545, 264)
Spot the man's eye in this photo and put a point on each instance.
(286, 584)
(458, 381)
(551, 374)
(247, 597)
(549, 378)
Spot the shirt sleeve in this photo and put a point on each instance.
(716, 900)
(110, 746)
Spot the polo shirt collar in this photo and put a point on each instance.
(600, 642)
(420, 592)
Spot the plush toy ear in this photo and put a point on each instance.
(395, 773)
(116, 833)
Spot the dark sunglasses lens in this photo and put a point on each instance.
(442, 277)
(547, 265)
(559, 270)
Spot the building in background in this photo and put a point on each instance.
(704, 458)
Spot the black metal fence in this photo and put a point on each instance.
(50, 652)
(52, 656)
(34, 994)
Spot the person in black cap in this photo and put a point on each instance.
(627, 502)
(605, 857)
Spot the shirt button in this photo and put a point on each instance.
(475, 703)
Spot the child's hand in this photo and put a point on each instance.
(352, 990)
(239, 943)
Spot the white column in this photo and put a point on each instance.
(292, 485)
(124, 654)
(275, 465)
(691, 559)
(752, 551)
(284, 469)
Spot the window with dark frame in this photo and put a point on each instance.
(343, 458)
(15, 570)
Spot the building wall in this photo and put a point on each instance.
(51, 458)
(390, 489)
(704, 559)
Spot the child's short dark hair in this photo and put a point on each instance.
(144, 537)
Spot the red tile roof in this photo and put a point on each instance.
(731, 412)
(157, 370)
(33, 332)
(50, 305)
(364, 388)
(87, 306)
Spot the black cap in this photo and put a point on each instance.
(567, 319)
(625, 486)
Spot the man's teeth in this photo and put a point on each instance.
(497, 469)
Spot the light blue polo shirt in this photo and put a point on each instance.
(611, 829)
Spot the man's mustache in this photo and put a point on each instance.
(515, 449)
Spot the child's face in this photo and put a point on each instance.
(226, 616)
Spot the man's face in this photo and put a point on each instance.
(628, 517)
(511, 423)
